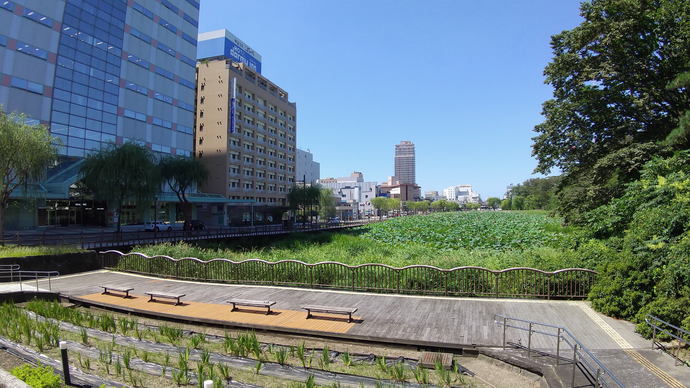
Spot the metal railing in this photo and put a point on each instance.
(675, 332)
(580, 357)
(414, 279)
(94, 240)
(12, 273)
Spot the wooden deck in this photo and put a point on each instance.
(413, 320)
(209, 312)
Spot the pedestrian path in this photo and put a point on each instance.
(429, 321)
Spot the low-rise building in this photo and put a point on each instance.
(462, 194)
(404, 191)
(354, 192)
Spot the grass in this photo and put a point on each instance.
(495, 240)
(23, 251)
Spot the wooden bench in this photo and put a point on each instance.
(108, 289)
(252, 303)
(330, 310)
(164, 295)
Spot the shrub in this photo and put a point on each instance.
(672, 310)
(38, 377)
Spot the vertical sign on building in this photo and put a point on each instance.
(233, 101)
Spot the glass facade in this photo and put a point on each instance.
(87, 75)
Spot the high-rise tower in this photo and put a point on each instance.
(405, 162)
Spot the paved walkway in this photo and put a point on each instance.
(450, 321)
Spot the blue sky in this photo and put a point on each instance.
(461, 79)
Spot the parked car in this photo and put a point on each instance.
(157, 226)
(194, 225)
(334, 220)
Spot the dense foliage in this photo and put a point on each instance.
(471, 230)
(121, 173)
(26, 151)
(546, 249)
(616, 128)
(650, 225)
(533, 194)
(38, 377)
(612, 102)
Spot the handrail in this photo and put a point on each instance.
(416, 279)
(91, 240)
(598, 371)
(495, 271)
(15, 274)
(664, 327)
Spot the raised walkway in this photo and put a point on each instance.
(442, 321)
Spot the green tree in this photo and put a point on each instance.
(539, 193)
(305, 199)
(493, 202)
(517, 203)
(505, 204)
(610, 76)
(471, 206)
(327, 204)
(122, 173)
(379, 203)
(439, 205)
(26, 151)
(182, 174)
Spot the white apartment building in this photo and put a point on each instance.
(307, 170)
(461, 194)
(353, 190)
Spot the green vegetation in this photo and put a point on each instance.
(495, 240)
(26, 151)
(182, 174)
(618, 128)
(535, 193)
(38, 377)
(23, 251)
(115, 358)
(122, 173)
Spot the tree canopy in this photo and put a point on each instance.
(25, 153)
(612, 106)
(121, 173)
(182, 174)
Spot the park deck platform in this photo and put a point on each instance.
(443, 322)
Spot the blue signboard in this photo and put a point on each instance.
(237, 54)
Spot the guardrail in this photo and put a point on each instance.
(12, 273)
(675, 332)
(413, 279)
(590, 366)
(95, 240)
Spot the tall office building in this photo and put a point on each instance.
(405, 162)
(245, 129)
(98, 72)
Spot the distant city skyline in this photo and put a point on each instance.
(463, 81)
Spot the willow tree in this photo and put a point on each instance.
(183, 174)
(25, 153)
(122, 173)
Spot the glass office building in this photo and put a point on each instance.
(102, 71)
(98, 72)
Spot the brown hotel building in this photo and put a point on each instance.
(251, 158)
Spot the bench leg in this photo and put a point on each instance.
(233, 308)
(349, 318)
(178, 302)
(308, 314)
(268, 311)
(151, 298)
